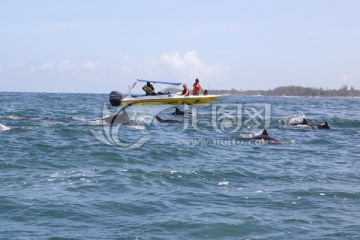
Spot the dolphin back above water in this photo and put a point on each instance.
(179, 112)
(315, 126)
(264, 136)
(121, 117)
(167, 120)
(304, 122)
(320, 126)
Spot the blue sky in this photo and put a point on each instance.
(99, 46)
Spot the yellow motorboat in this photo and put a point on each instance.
(162, 97)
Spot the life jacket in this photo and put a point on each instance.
(149, 90)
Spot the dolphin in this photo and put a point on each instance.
(266, 137)
(315, 126)
(121, 117)
(179, 112)
(320, 126)
(304, 122)
(168, 120)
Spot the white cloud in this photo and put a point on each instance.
(91, 65)
(174, 60)
(344, 78)
(65, 65)
(60, 65)
(167, 66)
(183, 68)
(190, 62)
(46, 66)
(102, 77)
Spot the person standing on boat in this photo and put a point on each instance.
(149, 89)
(185, 91)
(196, 87)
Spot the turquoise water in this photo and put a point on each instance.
(193, 180)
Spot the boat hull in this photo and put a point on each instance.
(171, 99)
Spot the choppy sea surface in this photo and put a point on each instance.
(66, 174)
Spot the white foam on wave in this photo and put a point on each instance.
(53, 177)
(250, 134)
(12, 117)
(145, 119)
(138, 127)
(4, 128)
(246, 135)
(223, 183)
(295, 119)
(78, 119)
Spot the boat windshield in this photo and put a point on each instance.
(165, 86)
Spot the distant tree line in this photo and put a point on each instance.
(344, 91)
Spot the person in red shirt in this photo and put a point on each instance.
(196, 87)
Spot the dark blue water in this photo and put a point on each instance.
(63, 175)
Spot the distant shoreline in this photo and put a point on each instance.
(293, 91)
(284, 91)
(227, 95)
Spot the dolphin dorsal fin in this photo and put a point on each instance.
(265, 132)
(304, 121)
(125, 114)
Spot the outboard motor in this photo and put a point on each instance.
(115, 98)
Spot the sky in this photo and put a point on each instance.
(91, 46)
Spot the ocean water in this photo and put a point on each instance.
(66, 175)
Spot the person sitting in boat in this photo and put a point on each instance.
(149, 89)
(206, 92)
(196, 87)
(185, 91)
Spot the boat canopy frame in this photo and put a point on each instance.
(157, 83)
